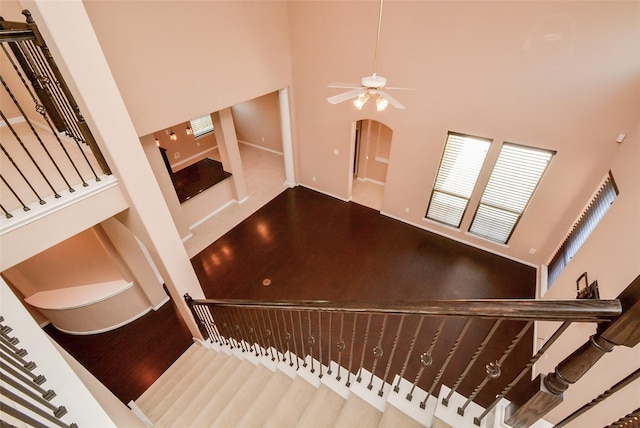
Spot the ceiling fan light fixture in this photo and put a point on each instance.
(381, 104)
(360, 101)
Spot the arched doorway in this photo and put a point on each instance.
(371, 148)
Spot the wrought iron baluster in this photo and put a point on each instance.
(409, 354)
(524, 370)
(40, 200)
(275, 344)
(42, 145)
(237, 327)
(24, 207)
(287, 337)
(364, 347)
(378, 351)
(447, 361)
(353, 339)
(228, 328)
(493, 368)
(7, 214)
(330, 342)
(268, 335)
(202, 320)
(311, 341)
(320, 342)
(475, 356)
(304, 360)
(247, 329)
(425, 359)
(393, 351)
(340, 345)
(258, 330)
(295, 342)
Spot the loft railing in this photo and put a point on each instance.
(479, 348)
(46, 158)
(23, 397)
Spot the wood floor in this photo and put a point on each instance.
(310, 246)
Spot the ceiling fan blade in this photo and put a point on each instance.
(392, 101)
(343, 85)
(346, 95)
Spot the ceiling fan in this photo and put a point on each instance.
(371, 87)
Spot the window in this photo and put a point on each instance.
(201, 125)
(583, 227)
(459, 168)
(514, 178)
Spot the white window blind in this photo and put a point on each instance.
(457, 175)
(583, 227)
(514, 178)
(201, 125)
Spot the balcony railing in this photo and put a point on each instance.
(413, 348)
(48, 150)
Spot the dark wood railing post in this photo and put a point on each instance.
(203, 330)
(622, 331)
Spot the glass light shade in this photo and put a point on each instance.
(173, 136)
(381, 104)
(189, 130)
(360, 101)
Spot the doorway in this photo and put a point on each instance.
(371, 150)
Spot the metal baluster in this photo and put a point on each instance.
(216, 327)
(40, 200)
(223, 328)
(237, 325)
(377, 351)
(393, 351)
(493, 368)
(258, 329)
(453, 350)
(310, 340)
(425, 359)
(24, 207)
(330, 342)
(295, 342)
(200, 311)
(524, 370)
(7, 214)
(364, 347)
(44, 147)
(248, 330)
(304, 361)
(275, 317)
(484, 343)
(320, 342)
(340, 345)
(287, 337)
(409, 353)
(275, 344)
(353, 339)
(228, 326)
(268, 335)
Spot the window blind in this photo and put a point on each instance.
(583, 227)
(457, 175)
(515, 176)
(201, 125)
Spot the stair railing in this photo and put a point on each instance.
(23, 397)
(420, 342)
(43, 159)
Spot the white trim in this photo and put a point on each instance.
(85, 295)
(13, 121)
(256, 146)
(187, 237)
(159, 305)
(37, 211)
(190, 158)
(324, 193)
(211, 214)
(243, 200)
(482, 238)
(140, 414)
(460, 240)
(371, 180)
(381, 159)
(150, 260)
(103, 330)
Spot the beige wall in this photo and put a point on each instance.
(242, 52)
(509, 84)
(257, 122)
(375, 147)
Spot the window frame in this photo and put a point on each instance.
(583, 227)
(199, 131)
(448, 193)
(504, 168)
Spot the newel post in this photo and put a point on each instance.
(623, 331)
(189, 301)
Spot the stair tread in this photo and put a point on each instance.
(266, 401)
(165, 381)
(323, 410)
(357, 412)
(393, 417)
(292, 404)
(209, 390)
(173, 409)
(188, 377)
(243, 398)
(217, 402)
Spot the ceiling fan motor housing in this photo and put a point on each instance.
(374, 81)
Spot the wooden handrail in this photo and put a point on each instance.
(508, 309)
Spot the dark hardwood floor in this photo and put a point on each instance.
(312, 246)
(196, 178)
